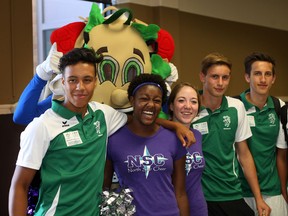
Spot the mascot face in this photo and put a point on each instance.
(123, 45)
(126, 55)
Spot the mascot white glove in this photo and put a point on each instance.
(172, 78)
(50, 65)
(56, 85)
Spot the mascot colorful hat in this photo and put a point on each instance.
(129, 48)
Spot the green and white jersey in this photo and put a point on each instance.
(71, 152)
(220, 130)
(267, 134)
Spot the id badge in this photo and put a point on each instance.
(202, 127)
(72, 138)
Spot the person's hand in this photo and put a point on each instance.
(185, 135)
(46, 69)
(263, 208)
(285, 197)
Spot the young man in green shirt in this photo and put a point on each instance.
(68, 142)
(224, 126)
(267, 145)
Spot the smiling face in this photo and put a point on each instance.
(261, 77)
(185, 105)
(79, 82)
(146, 102)
(216, 81)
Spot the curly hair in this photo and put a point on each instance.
(144, 79)
(79, 55)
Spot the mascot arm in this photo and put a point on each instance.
(28, 107)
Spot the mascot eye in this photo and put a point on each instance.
(132, 67)
(108, 70)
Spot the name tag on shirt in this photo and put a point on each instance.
(251, 121)
(202, 127)
(72, 138)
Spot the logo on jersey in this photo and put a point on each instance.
(146, 163)
(97, 128)
(193, 161)
(64, 124)
(227, 122)
(272, 118)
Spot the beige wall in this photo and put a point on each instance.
(196, 35)
(16, 58)
(267, 13)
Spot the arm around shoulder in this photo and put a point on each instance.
(185, 135)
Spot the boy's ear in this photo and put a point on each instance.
(247, 77)
(202, 76)
(274, 79)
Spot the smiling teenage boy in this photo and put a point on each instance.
(68, 142)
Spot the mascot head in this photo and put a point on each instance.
(129, 48)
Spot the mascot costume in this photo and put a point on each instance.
(129, 48)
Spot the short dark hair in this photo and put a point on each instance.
(214, 59)
(77, 55)
(175, 91)
(148, 78)
(258, 56)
